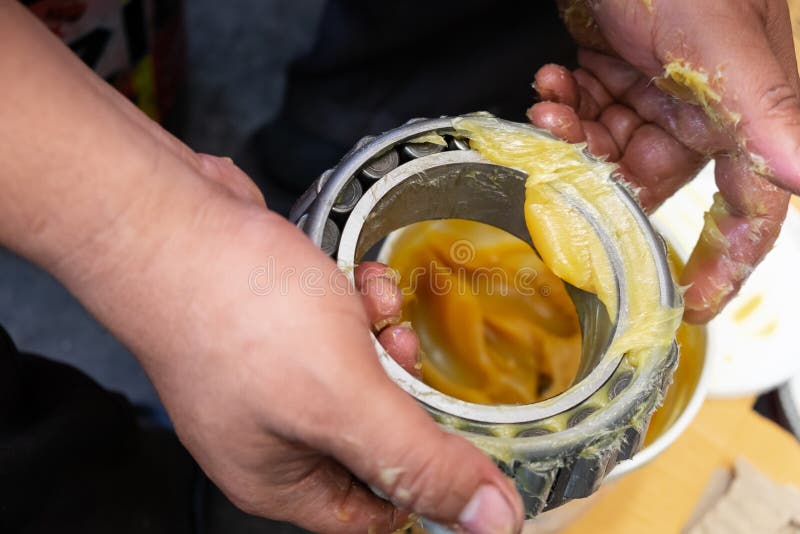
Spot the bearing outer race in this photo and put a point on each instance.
(549, 469)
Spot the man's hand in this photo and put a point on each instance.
(260, 351)
(257, 346)
(663, 86)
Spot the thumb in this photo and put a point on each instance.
(752, 83)
(395, 447)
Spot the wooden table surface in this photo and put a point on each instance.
(660, 497)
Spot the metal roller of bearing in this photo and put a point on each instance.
(557, 449)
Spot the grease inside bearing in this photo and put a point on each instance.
(496, 326)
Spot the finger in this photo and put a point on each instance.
(382, 299)
(400, 341)
(372, 269)
(688, 123)
(420, 467)
(621, 122)
(555, 83)
(402, 344)
(658, 164)
(615, 75)
(552, 88)
(328, 499)
(739, 230)
(599, 141)
(593, 96)
(559, 119)
(393, 445)
(578, 90)
(562, 121)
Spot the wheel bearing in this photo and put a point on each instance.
(555, 450)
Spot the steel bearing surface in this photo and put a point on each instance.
(557, 449)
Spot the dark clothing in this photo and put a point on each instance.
(374, 65)
(74, 459)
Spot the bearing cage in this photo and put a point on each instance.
(552, 459)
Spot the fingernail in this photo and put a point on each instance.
(488, 512)
(228, 159)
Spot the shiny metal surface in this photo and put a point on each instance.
(460, 185)
(605, 414)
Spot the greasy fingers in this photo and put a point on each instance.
(662, 142)
(337, 503)
(402, 344)
(559, 119)
(621, 122)
(420, 467)
(322, 496)
(402, 452)
(688, 123)
(757, 93)
(555, 83)
(600, 142)
(371, 269)
(658, 165)
(739, 230)
(383, 301)
(593, 96)
(382, 298)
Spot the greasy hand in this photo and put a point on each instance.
(263, 359)
(662, 129)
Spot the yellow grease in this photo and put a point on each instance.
(496, 326)
(696, 81)
(691, 340)
(745, 310)
(768, 329)
(432, 138)
(495, 337)
(759, 165)
(577, 15)
(557, 172)
(693, 85)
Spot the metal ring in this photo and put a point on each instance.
(558, 449)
